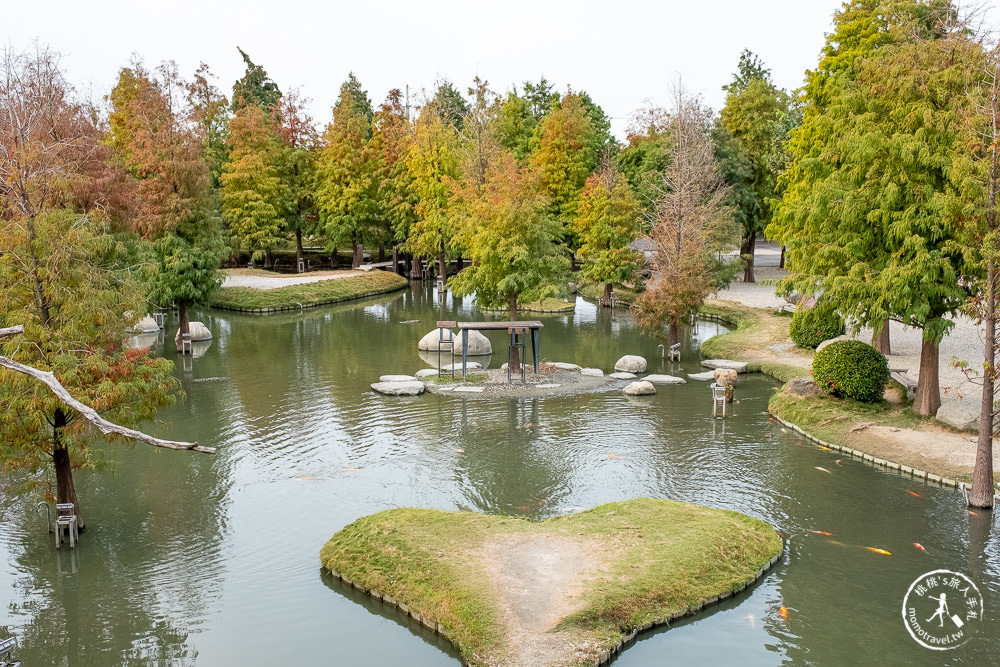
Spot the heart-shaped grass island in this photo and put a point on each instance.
(568, 590)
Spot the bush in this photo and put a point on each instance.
(851, 369)
(812, 326)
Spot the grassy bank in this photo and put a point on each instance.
(753, 340)
(549, 305)
(660, 559)
(309, 294)
(596, 293)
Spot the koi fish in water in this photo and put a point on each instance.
(823, 470)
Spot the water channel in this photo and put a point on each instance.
(213, 560)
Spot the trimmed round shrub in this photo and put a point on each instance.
(851, 369)
(812, 326)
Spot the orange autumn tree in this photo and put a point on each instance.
(691, 224)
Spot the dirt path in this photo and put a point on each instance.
(262, 280)
(539, 580)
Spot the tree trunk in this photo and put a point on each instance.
(185, 325)
(417, 269)
(334, 258)
(65, 489)
(395, 258)
(268, 263)
(982, 475)
(608, 292)
(442, 266)
(781, 261)
(359, 255)
(928, 398)
(459, 264)
(381, 252)
(675, 326)
(515, 358)
(746, 251)
(880, 338)
(299, 259)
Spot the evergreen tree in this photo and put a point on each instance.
(389, 148)
(255, 88)
(449, 105)
(608, 221)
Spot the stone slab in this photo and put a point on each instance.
(397, 378)
(738, 366)
(664, 379)
(707, 376)
(623, 376)
(547, 386)
(413, 388)
(592, 372)
(563, 366)
(469, 390)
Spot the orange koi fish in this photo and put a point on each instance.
(878, 551)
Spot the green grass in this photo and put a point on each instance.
(446, 378)
(754, 331)
(662, 557)
(307, 295)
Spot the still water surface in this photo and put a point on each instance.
(213, 560)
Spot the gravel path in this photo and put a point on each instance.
(268, 282)
(964, 342)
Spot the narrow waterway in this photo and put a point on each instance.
(213, 560)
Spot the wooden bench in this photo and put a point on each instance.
(530, 325)
(909, 383)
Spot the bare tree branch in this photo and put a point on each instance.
(87, 412)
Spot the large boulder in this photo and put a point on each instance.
(429, 342)
(963, 415)
(641, 388)
(724, 376)
(146, 325)
(802, 387)
(479, 344)
(410, 388)
(198, 332)
(631, 363)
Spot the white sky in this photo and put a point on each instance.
(622, 52)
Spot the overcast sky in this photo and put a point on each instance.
(622, 52)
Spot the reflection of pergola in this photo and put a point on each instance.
(514, 328)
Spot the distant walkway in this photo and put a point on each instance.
(257, 279)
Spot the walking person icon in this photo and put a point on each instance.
(941, 610)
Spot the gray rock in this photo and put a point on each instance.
(641, 388)
(563, 366)
(963, 415)
(396, 378)
(547, 386)
(804, 386)
(592, 372)
(411, 388)
(197, 330)
(425, 372)
(664, 379)
(479, 344)
(430, 342)
(469, 390)
(827, 343)
(623, 376)
(631, 363)
(738, 366)
(146, 325)
(469, 366)
(707, 376)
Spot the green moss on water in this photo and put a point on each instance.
(661, 557)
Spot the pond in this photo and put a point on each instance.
(209, 560)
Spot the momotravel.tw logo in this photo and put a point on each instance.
(942, 609)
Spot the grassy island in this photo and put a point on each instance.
(568, 590)
(306, 295)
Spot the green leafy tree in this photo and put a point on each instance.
(388, 150)
(757, 117)
(58, 279)
(511, 240)
(646, 156)
(861, 214)
(435, 168)
(515, 125)
(609, 220)
(152, 136)
(254, 88)
(564, 157)
(252, 203)
(353, 94)
(297, 169)
(345, 196)
(541, 97)
(449, 105)
(210, 111)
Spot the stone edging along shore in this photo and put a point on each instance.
(606, 656)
